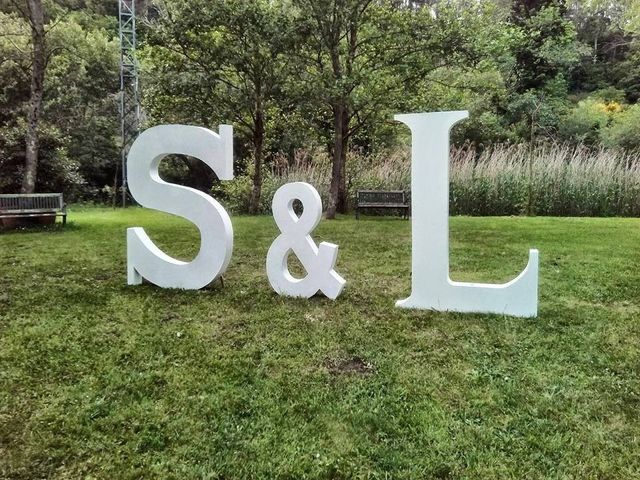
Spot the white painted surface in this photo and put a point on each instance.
(431, 287)
(318, 261)
(144, 258)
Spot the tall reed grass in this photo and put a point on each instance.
(548, 179)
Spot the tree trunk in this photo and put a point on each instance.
(36, 19)
(337, 168)
(258, 153)
(342, 183)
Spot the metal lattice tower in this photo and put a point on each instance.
(129, 95)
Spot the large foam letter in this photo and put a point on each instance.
(144, 258)
(431, 287)
(319, 261)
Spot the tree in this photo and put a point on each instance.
(545, 49)
(548, 45)
(229, 55)
(611, 29)
(77, 119)
(344, 57)
(34, 14)
(362, 57)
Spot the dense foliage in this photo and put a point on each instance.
(318, 75)
(79, 126)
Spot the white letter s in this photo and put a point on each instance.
(144, 258)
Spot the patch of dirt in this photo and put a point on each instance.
(169, 316)
(344, 366)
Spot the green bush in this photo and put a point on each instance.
(586, 121)
(624, 131)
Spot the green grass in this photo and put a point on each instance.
(102, 380)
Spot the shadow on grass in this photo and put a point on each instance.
(56, 228)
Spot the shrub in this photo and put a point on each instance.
(585, 121)
(624, 131)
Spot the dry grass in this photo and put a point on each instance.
(550, 179)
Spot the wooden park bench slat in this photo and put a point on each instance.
(33, 205)
(377, 199)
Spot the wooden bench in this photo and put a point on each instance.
(379, 199)
(33, 205)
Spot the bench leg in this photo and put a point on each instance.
(357, 213)
(64, 220)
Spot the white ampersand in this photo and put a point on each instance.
(319, 261)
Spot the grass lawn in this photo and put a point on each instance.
(102, 380)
